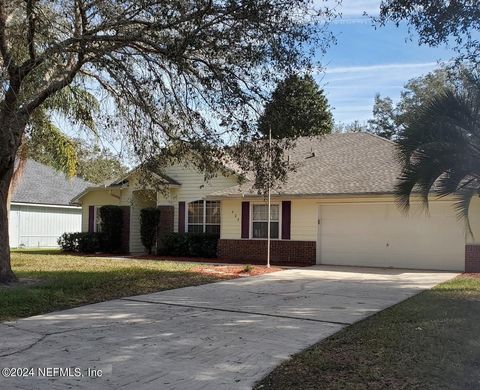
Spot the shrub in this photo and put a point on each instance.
(68, 242)
(111, 226)
(175, 244)
(81, 242)
(149, 220)
(191, 244)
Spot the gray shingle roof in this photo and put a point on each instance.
(44, 185)
(350, 163)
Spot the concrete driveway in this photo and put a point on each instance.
(224, 335)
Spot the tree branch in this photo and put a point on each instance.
(31, 29)
(49, 90)
(4, 50)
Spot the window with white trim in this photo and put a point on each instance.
(260, 221)
(204, 217)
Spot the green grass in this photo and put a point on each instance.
(430, 341)
(52, 281)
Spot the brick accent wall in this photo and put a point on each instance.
(255, 251)
(472, 258)
(166, 223)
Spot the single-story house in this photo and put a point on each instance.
(337, 208)
(40, 209)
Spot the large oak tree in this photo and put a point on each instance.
(176, 78)
(455, 23)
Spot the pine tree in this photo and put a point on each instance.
(297, 107)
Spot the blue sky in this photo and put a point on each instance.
(366, 61)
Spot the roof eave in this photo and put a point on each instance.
(76, 199)
(320, 195)
(290, 195)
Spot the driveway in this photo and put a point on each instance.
(225, 335)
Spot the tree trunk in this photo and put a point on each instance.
(11, 129)
(6, 273)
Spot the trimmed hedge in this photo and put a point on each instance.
(81, 242)
(190, 244)
(111, 226)
(149, 220)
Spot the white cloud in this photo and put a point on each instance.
(355, 8)
(379, 67)
(351, 89)
(359, 20)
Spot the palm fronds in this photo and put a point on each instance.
(440, 151)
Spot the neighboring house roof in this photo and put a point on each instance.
(40, 184)
(334, 164)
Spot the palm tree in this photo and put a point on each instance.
(440, 151)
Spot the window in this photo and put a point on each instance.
(195, 217)
(204, 217)
(260, 221)
(212, 217)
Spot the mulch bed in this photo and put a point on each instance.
(235, 270)
(473, 276)
(212, 260)
(189, 259)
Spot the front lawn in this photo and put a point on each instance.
(52, 281)
(430, 341)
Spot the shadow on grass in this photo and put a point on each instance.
(57, 290)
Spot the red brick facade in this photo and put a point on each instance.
(166, 223)
(472, 258)
(284, 252)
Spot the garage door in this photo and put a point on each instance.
(379, 235)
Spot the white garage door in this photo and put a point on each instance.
(379, 235)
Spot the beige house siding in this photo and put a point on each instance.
(193, 187)
(231, 216)
(139, 200)
(120, 197)
(304, 220)
(100, 197)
